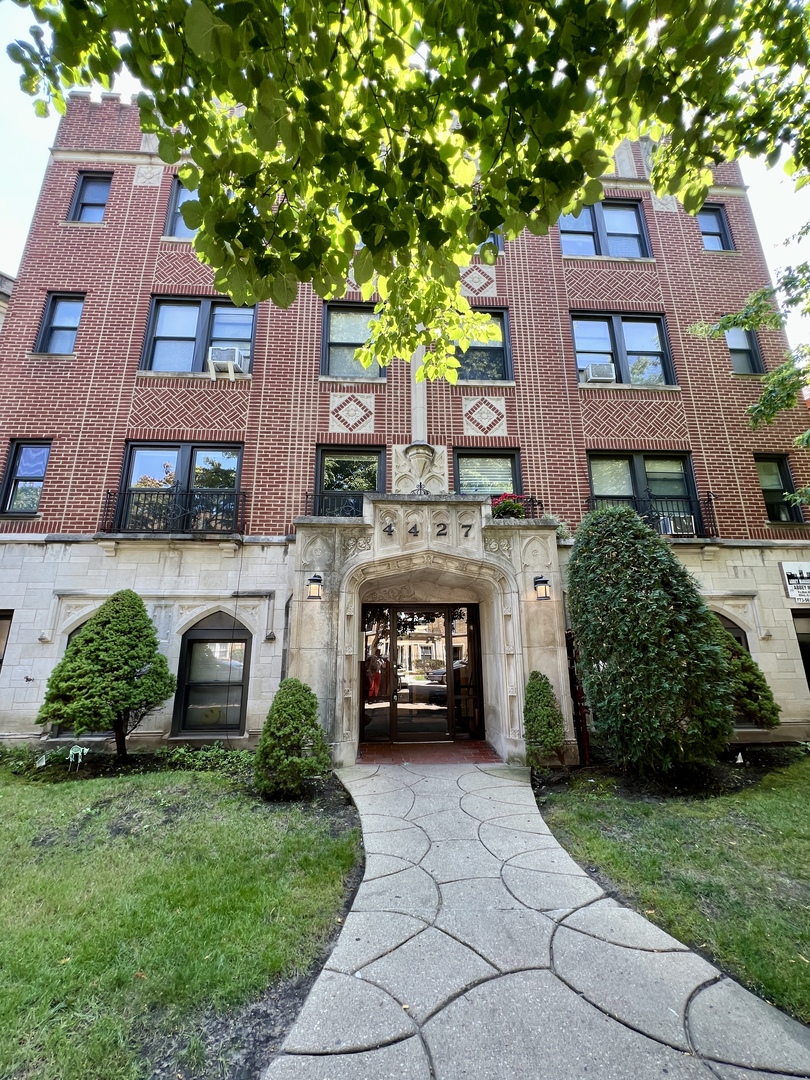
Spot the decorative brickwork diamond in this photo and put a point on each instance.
(352, 412)
(484, 416)
(478, 281)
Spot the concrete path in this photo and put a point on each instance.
(477, 949)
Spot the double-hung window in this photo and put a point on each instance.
(745, 355)
(660, 489)
(608, 228)
(777, 483)
(486, 361)
(57, 335)
(90, 197)
(181, 487)
(26, 476)
(714, 228)
(343, 476)
(175, 226)
(487, 473)
(213, 676)
(181, 332)
(345, 330)
(623, 349)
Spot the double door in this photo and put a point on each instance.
(421, 673)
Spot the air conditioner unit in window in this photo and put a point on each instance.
(677, 525)
(600, 373)
(230, 360)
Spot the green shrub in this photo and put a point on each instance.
(508, 506)
(543, 721)
(292, 750)
(752, 699)
(651, 666)
(112, 674)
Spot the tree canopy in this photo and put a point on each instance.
(388, 139)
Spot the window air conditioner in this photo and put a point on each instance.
(229, 360)
(677, 525)
(600, 373)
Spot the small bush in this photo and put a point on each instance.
(292, 750)
(543, 721)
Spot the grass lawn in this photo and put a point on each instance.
(729, 875)
(128, 904)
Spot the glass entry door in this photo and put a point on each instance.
(420, 674)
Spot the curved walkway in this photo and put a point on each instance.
(477, 949)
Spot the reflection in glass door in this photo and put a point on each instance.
(420, 674)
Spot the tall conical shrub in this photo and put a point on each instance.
(653, 672)
(543, 721)
(112, 674)
(292, 749)
(752, 699)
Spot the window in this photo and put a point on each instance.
(213, 676)
(659, 489)
(608, 228)
(61, 322)
(624, 349)
(715, 230)
(745, 355)
(343, 477)
(776, 482)
(345, 330)
(90, 197)
(487, 360)
(5, 630)
(487, 474)
(175, 226)
(181, 332)
(181, 487)
(25, 477)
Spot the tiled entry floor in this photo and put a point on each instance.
(432, 753)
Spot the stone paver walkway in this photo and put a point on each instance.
(477, 949)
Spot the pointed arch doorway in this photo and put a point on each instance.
(421, 673)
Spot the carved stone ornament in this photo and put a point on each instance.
(148, 176)
(511, 690)
(484, 415)
(354, 544)
(535, 554)
(317, 554)
(352, 413)
(405, 592)
(502, 546)
(419, 466)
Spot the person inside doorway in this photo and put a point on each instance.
(374, 666)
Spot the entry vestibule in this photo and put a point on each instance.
(421, 673)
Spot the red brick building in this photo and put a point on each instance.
(221, 485)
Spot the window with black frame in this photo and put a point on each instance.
(57, 335)
(345, 329)
(175, 225)
(25, 477)
(777, 483)
(343, 478)
(631, 350)
(486, 361)
(744, 350)
(660, 489)
(182, 488)
(487, 473)
(212, 677)
(714, 229)
(90, 198)
(608, 228)
(181, 332)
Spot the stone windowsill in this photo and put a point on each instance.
(646, 260)
(82, 224)
(462, 384)
(194, 375)
(186, 240)
(13, 515)
(56, 357)
(668, 387)
(787, 524)
(748, 374)
(352, 379)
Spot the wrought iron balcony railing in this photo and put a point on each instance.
(333, 504)
(170, 511)
(675, 516)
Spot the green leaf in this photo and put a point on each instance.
(283, 290)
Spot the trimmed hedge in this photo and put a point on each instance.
(543, 721)
(292, 750)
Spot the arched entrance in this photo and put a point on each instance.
(421, 673)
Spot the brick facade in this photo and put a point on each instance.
(94, 402)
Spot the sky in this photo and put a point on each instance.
(25, 139)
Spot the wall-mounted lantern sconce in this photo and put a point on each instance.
(542, 589)
(314, 591)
